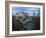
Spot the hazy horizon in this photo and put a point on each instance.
(32, 11)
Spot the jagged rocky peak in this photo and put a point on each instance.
(22, 17)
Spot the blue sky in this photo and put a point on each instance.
(32, 11)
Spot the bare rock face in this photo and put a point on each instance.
(23, 17)
(25, 20)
